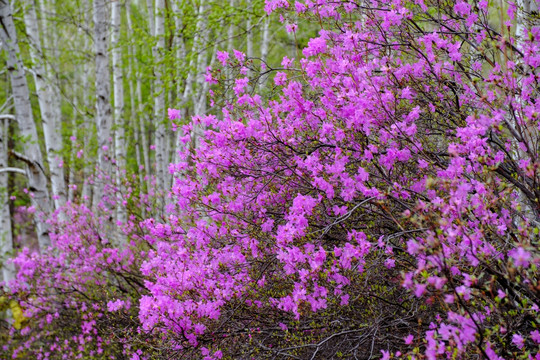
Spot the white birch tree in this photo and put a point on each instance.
(118, 90)
(6, 237)
(162, 157)
(49, 103)
(35, 171)
(103, 92)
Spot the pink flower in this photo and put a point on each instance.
(222, 57)
(520, 257)
(280, 78)
(315, 46)
(420, 289)
(291, 28)
(518, 341)
(240, 56)
(535, 335)
(409, 339)
(173, 114)
(390, 263)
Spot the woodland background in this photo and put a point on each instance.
(102, 75)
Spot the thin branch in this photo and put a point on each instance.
(22, 157)
(7, 116)
(13, 170)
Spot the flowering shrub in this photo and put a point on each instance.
(384, 202)
(398, 161)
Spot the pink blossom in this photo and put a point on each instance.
(222, 57)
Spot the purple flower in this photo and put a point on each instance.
(520, 257)
(518, 341)
(409, 339)
(173, 114)
(222, 57)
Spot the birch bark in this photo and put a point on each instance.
(249, 30)
(6, 237)
(37, 180)
(118, 90)
(88, 126)
(103, 92)
(264, 49)
(49, 104)
(162, 157)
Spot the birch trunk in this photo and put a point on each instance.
(49, 104)
(249, 40)
(37, 180)
(202, 61)
(118, 89)
(230, 41)
(264, 49)
(103, 92)
(178, 42)
(162, 157)
(71, 179)
(144, 136)
(6, 237)
(88, 165)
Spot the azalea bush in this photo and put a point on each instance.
(382, 201)
(79, 298)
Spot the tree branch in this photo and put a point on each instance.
(13, 170)
(7, 116)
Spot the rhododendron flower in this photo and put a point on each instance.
(315, 46)
(520, 257)
(222, 57)
(518, 340)
(240, 56)
(409, 339)
(173, 114)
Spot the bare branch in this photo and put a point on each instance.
(13, 170)
(7, 117)
(23, 158)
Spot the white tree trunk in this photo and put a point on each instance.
(118, 89)
(49, 104)
(103, 92)
(249, 29)
(88, 164)
(264, 48)
(178, 42)
(230, 41)
(37, 180)
(6, 237)
(71, 179)
(162, 158)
